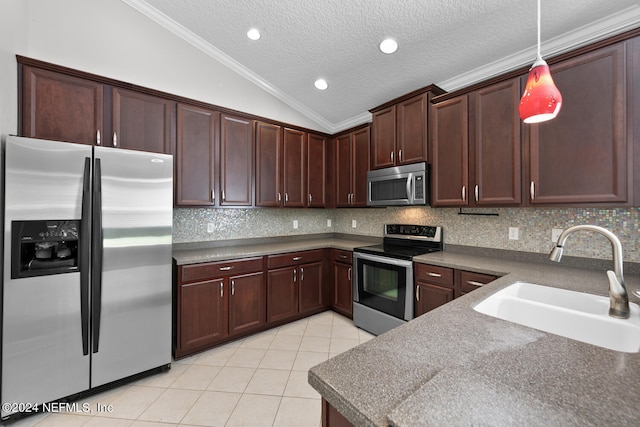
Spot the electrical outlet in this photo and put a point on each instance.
(354, 223)
(555, 233)
(211, 227)
(295, 224)
(328, 223)
(513, 233)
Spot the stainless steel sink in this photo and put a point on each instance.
(576, 315)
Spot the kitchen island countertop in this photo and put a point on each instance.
(455, 366)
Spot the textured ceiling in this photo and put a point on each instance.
(451, 43)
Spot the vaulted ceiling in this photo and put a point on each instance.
(451, 43)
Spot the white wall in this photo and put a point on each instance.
(109, 38)
(13, 38)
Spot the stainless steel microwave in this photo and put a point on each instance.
(399, 186)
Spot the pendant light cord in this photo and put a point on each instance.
(539, 56)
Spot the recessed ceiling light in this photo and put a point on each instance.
(388, 45)
(253, 34)
(321, 84)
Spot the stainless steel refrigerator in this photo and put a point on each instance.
(86, 293)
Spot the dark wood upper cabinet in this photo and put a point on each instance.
(316, 171)
(411, 117)
(582, 156)
(61, 107)
(268, 164)
(399, 131)
(383, 141)
(449, 152)
(476, 154)
(495, 154)
(351, 166)
(142, 122)
(294, 165)
(236, 160)
(196, 163)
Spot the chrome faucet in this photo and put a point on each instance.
(619, 301)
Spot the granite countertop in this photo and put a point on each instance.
(207, 252)
(455, 366)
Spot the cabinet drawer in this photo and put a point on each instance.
(192, 272)
(470, 281)
(434, 274)
(343, 256)
(294, 258)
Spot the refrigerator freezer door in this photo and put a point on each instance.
(42, 349)
(134, 330)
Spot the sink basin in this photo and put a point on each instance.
(576, 315)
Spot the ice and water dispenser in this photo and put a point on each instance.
(41, 248)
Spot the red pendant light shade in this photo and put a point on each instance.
(541, 100)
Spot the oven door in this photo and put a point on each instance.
(384, 284)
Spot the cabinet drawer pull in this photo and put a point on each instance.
(221, 289)
(418, 293)
(342, 256)
(233, 287)
(226, 268)
(474, 283)
(115, 140)
(432, 274)
(297, 258)
(98, 137)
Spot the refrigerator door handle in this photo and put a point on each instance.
(85, 254)
(96, 270)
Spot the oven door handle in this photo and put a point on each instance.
(382, 259)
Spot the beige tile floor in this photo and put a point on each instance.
(260, 380)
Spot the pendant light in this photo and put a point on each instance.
(541, 100)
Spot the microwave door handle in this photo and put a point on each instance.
(410, 188)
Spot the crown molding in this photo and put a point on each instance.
(206, 47)
(617, 23)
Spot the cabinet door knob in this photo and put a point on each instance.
(418, 293)
(115, 140)
(98, 137)
(279, 198)
(477, 192)
(392, 155)
(213, 196)
(464, 193)
(221, 289)
(224, 197)
(310, 198)
(233, 287)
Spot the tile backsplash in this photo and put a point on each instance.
(490, 231)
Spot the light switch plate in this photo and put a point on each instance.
(354, 223)
(295, 224)
(513, 233)
(210, 227)
(328, 223)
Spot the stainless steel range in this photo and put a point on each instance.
(383, 276)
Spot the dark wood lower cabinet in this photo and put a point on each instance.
(332, 418)
(436, 286)
(282, 294)
(343, 288)
(216, 302)
(203, 314)
(311, 287)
